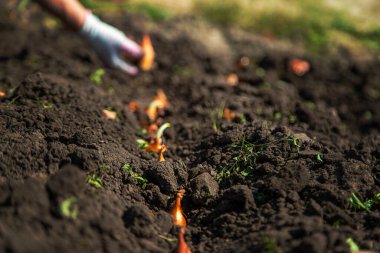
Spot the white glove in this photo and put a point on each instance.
(110, 43)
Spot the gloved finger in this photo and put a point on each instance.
(125, 67)
(132, 49)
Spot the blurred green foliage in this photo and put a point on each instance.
(22, 4)
(316, 26)
(154, 12)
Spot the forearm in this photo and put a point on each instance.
(109, 42)
(70, 12)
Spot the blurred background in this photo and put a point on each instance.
(318, 26)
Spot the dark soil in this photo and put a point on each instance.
(53, 136)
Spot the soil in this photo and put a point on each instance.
(314, 140)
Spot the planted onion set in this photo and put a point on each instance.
(154, 112)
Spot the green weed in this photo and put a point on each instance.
(319, 158)
(97, 76)
(14, 100)
(242, 118)
(270, 245)
(295, 142)
(260, 72)
(43, 104)
(352, 244)
(95, 181)
(182, 71)
(277, 116)
(216, 114)
(244, 162)
(336, 224)
(47, 105)
(11, 90)
(68, 208)
(311, 105)
(143, 182)
(358, 205)
(292, 119)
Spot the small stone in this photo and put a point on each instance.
(180, 172)
(293, 196)
(204, 188)
(140, 220)
(164, 221)
(68, 181)
(238, 198)
(162, 174)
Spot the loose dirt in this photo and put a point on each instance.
(312, 141)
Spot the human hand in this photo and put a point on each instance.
(110, 43)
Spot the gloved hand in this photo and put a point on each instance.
(110, 43)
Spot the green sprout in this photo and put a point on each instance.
(292, 119)
(97, 76)
(95, 181)
(68, 208)
(161, 130)
(143, 182)
(13, 101)
(296, 142)
(215, 126)
(352, 244)
(183, 71)
(142, 131)
(215, 115)
(11, 90)
(141, 143)
(242, 118)
(270, 245)
(319, 158)
(47, 105)
(311, 105)
(336, 224)
(260, 72)
(356, 204)
(277, 115)
(43, 104)
(367, 115)
(244, 162)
